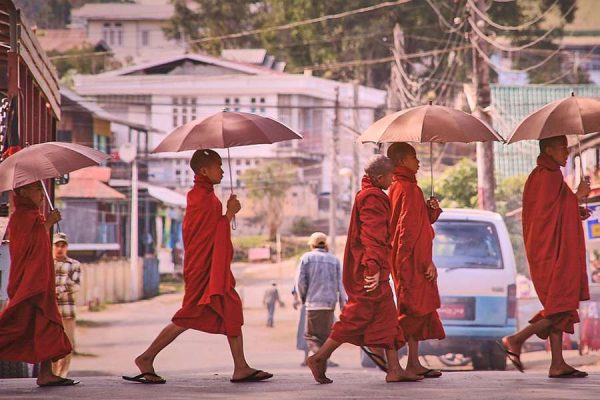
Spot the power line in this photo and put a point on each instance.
(301, 23)
(382, 60)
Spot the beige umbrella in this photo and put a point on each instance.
(569, 116)
(45, 161)
(226, 129)
(430, 123)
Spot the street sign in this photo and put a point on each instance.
(592, 224)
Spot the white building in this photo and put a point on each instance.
(132, 30)
(174, 90)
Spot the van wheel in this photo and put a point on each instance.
(10, 369)
(481, 362)
(497, 359)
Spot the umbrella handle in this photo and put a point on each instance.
(233, 222)
(431, 166)
(49, 203)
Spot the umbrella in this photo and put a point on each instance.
(569, 116)
(226, 129)
(429, 123)
(44, 161)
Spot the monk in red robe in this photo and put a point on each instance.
(555, 247)
(369, 316)
(210, 303)
(31, 328)
(413, 270)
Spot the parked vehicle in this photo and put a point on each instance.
(476, 278)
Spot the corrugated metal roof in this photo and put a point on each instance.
(510, 105)
(119, 11)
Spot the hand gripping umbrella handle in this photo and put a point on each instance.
(50, 203)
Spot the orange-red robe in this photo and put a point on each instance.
(412, 241)
(368, 319)
(555, 245)
(210, 303)
(31, 328)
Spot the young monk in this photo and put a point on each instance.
(31, 328)
(210, 303)
(413, 270)
(369, 316)
(555, 247)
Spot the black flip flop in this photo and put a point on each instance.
(141, 378)
(570, 375)
(431, 373)
(376, 358)
(514, 358)
(61, 382)
(253, 377)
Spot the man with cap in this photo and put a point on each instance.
(319, 285)
(68, 279)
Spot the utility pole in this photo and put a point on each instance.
(356, 175)
(334, 172)
(486, 182)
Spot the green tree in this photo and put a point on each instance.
(457, 186)
(266, 187)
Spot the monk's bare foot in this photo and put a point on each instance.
(318, 367)
(402, 376)
(145, 365)
(248, 374)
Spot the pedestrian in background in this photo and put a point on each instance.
(319, 285)
(68, 280)
(269, 300)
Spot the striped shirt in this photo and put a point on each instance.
(68, 274)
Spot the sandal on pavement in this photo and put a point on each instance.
(570, 375)
(60, 382)
(253, 377)
(141, 378)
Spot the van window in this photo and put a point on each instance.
(466, 244)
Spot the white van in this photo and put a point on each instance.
(476, 278)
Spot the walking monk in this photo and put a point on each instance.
(555, 248)
(210, 303)
(413, 271)
(31, 328)
(369, 316)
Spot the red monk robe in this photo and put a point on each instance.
(31, 327)
(368, 319)
(210, 303)
(555, 245)
(418, 298)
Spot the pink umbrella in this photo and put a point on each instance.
(226, 129)
(45, 161)
(430, 123)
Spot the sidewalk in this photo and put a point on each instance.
(299, 385)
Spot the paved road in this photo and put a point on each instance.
(292, 385)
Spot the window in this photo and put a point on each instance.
(105, 30)
(236, 101)
(145, 38)
(175, 101)
(193, 108)
(119, 31)
(262, 105)
(227, 103)
(253, 102)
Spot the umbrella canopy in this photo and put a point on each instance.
(226, 129)
(44, 161)
(429, 123)
(569, 116)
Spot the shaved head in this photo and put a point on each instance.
(203, 159)
(399, 151)
(378, 165)
(552, 142)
